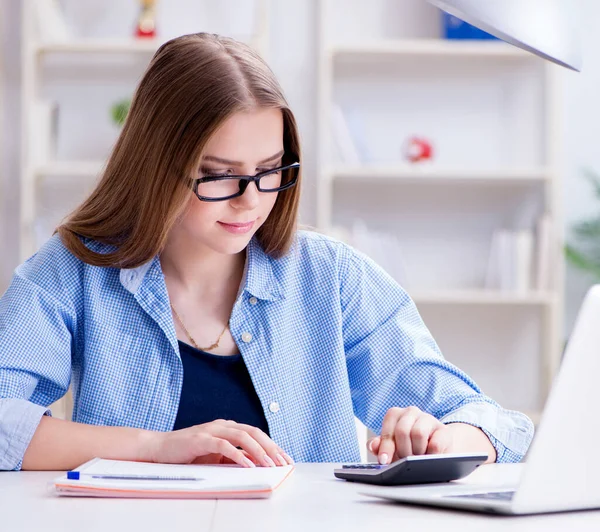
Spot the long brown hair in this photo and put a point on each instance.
(192, 85)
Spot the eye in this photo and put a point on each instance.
(268, 169)
(211, 172)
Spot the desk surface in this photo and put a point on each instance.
(310, 500)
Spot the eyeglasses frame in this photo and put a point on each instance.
(245, 180)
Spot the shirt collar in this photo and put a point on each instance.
(131, 278)
(259, 273)
(259, 277)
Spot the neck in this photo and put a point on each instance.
(199, 271)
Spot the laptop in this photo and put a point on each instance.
(562, 470)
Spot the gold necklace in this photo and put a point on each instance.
(209, 348)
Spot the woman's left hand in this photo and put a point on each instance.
(410, 431)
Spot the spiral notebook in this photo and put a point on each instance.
(118, 478)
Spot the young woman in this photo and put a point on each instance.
(194, 323)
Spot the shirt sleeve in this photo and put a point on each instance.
(35, 363)
(393, 361)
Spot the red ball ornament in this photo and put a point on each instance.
(418, 149)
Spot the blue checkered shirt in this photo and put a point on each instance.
(325, 333)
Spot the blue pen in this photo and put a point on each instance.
(77, 475)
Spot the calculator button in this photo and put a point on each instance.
(363, 466)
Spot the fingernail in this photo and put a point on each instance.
(370, 446)
(383, 458)
(249, 462)
(289, 458)
(269, 461)
(281, 459)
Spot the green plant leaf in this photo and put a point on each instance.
(588, 229)
(582, 262)
(593, 179)
(119, 111)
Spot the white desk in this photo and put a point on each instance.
(311, 500)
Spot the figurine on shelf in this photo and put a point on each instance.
(418, 149)
(146, 24)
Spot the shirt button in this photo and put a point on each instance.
(274, 407)
(253, 301)
(246, 337)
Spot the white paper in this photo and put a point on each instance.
(214, 477)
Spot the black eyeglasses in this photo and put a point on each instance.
(224, 187)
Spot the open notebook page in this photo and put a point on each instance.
(213, 477)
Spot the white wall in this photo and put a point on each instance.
(581, 143)
(293, 58)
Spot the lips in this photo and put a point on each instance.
(238, 224)
(237, 227)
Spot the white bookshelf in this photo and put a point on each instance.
(68, 169)
(483, 297)
(427, 47)
(79, 52)
(491, 109)
(403, 173)
(99, 46)
(113, 46)
(72, 177)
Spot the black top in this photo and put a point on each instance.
(216, 387)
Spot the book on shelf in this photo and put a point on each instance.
(43, 127)
(510, 261)
(521, 260)
(544, 253)
(523, 253)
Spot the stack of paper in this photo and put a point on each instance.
(116, 478)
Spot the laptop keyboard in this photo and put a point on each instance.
(491, 495)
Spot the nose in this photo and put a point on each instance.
(249, 199)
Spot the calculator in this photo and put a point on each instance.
(423, 469)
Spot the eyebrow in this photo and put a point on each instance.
(212, 158)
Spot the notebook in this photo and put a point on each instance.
(118, 478)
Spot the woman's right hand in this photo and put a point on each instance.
(217, 442)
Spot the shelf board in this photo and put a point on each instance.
(110, 46)
(419, 174)
(481, 297)
(69, 169)
(431, 48)
(100, 46)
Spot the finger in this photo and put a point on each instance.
(269, 457)
(276, 453)
(241, 438)
(440, 441)
(386, 445)
(373, 445)
(219, 446)
(402, 432)
(248, 456)
(423, 428)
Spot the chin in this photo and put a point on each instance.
(232, 245)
